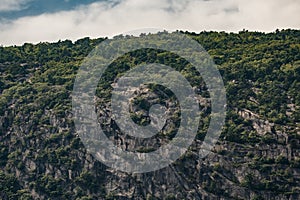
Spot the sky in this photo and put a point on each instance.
(34, 21)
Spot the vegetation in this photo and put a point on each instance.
(42, 157)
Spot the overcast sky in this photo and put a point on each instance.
(52, 20)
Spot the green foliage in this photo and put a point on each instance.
(10, 187)
(261, 73)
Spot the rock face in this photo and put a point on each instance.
(257, 155)
(262, 127)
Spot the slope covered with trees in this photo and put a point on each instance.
(257, 156)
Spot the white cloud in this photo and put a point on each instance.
(11, 5)
(109, 18)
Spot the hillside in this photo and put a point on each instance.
(257, 155)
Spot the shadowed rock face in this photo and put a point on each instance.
(256, 157)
